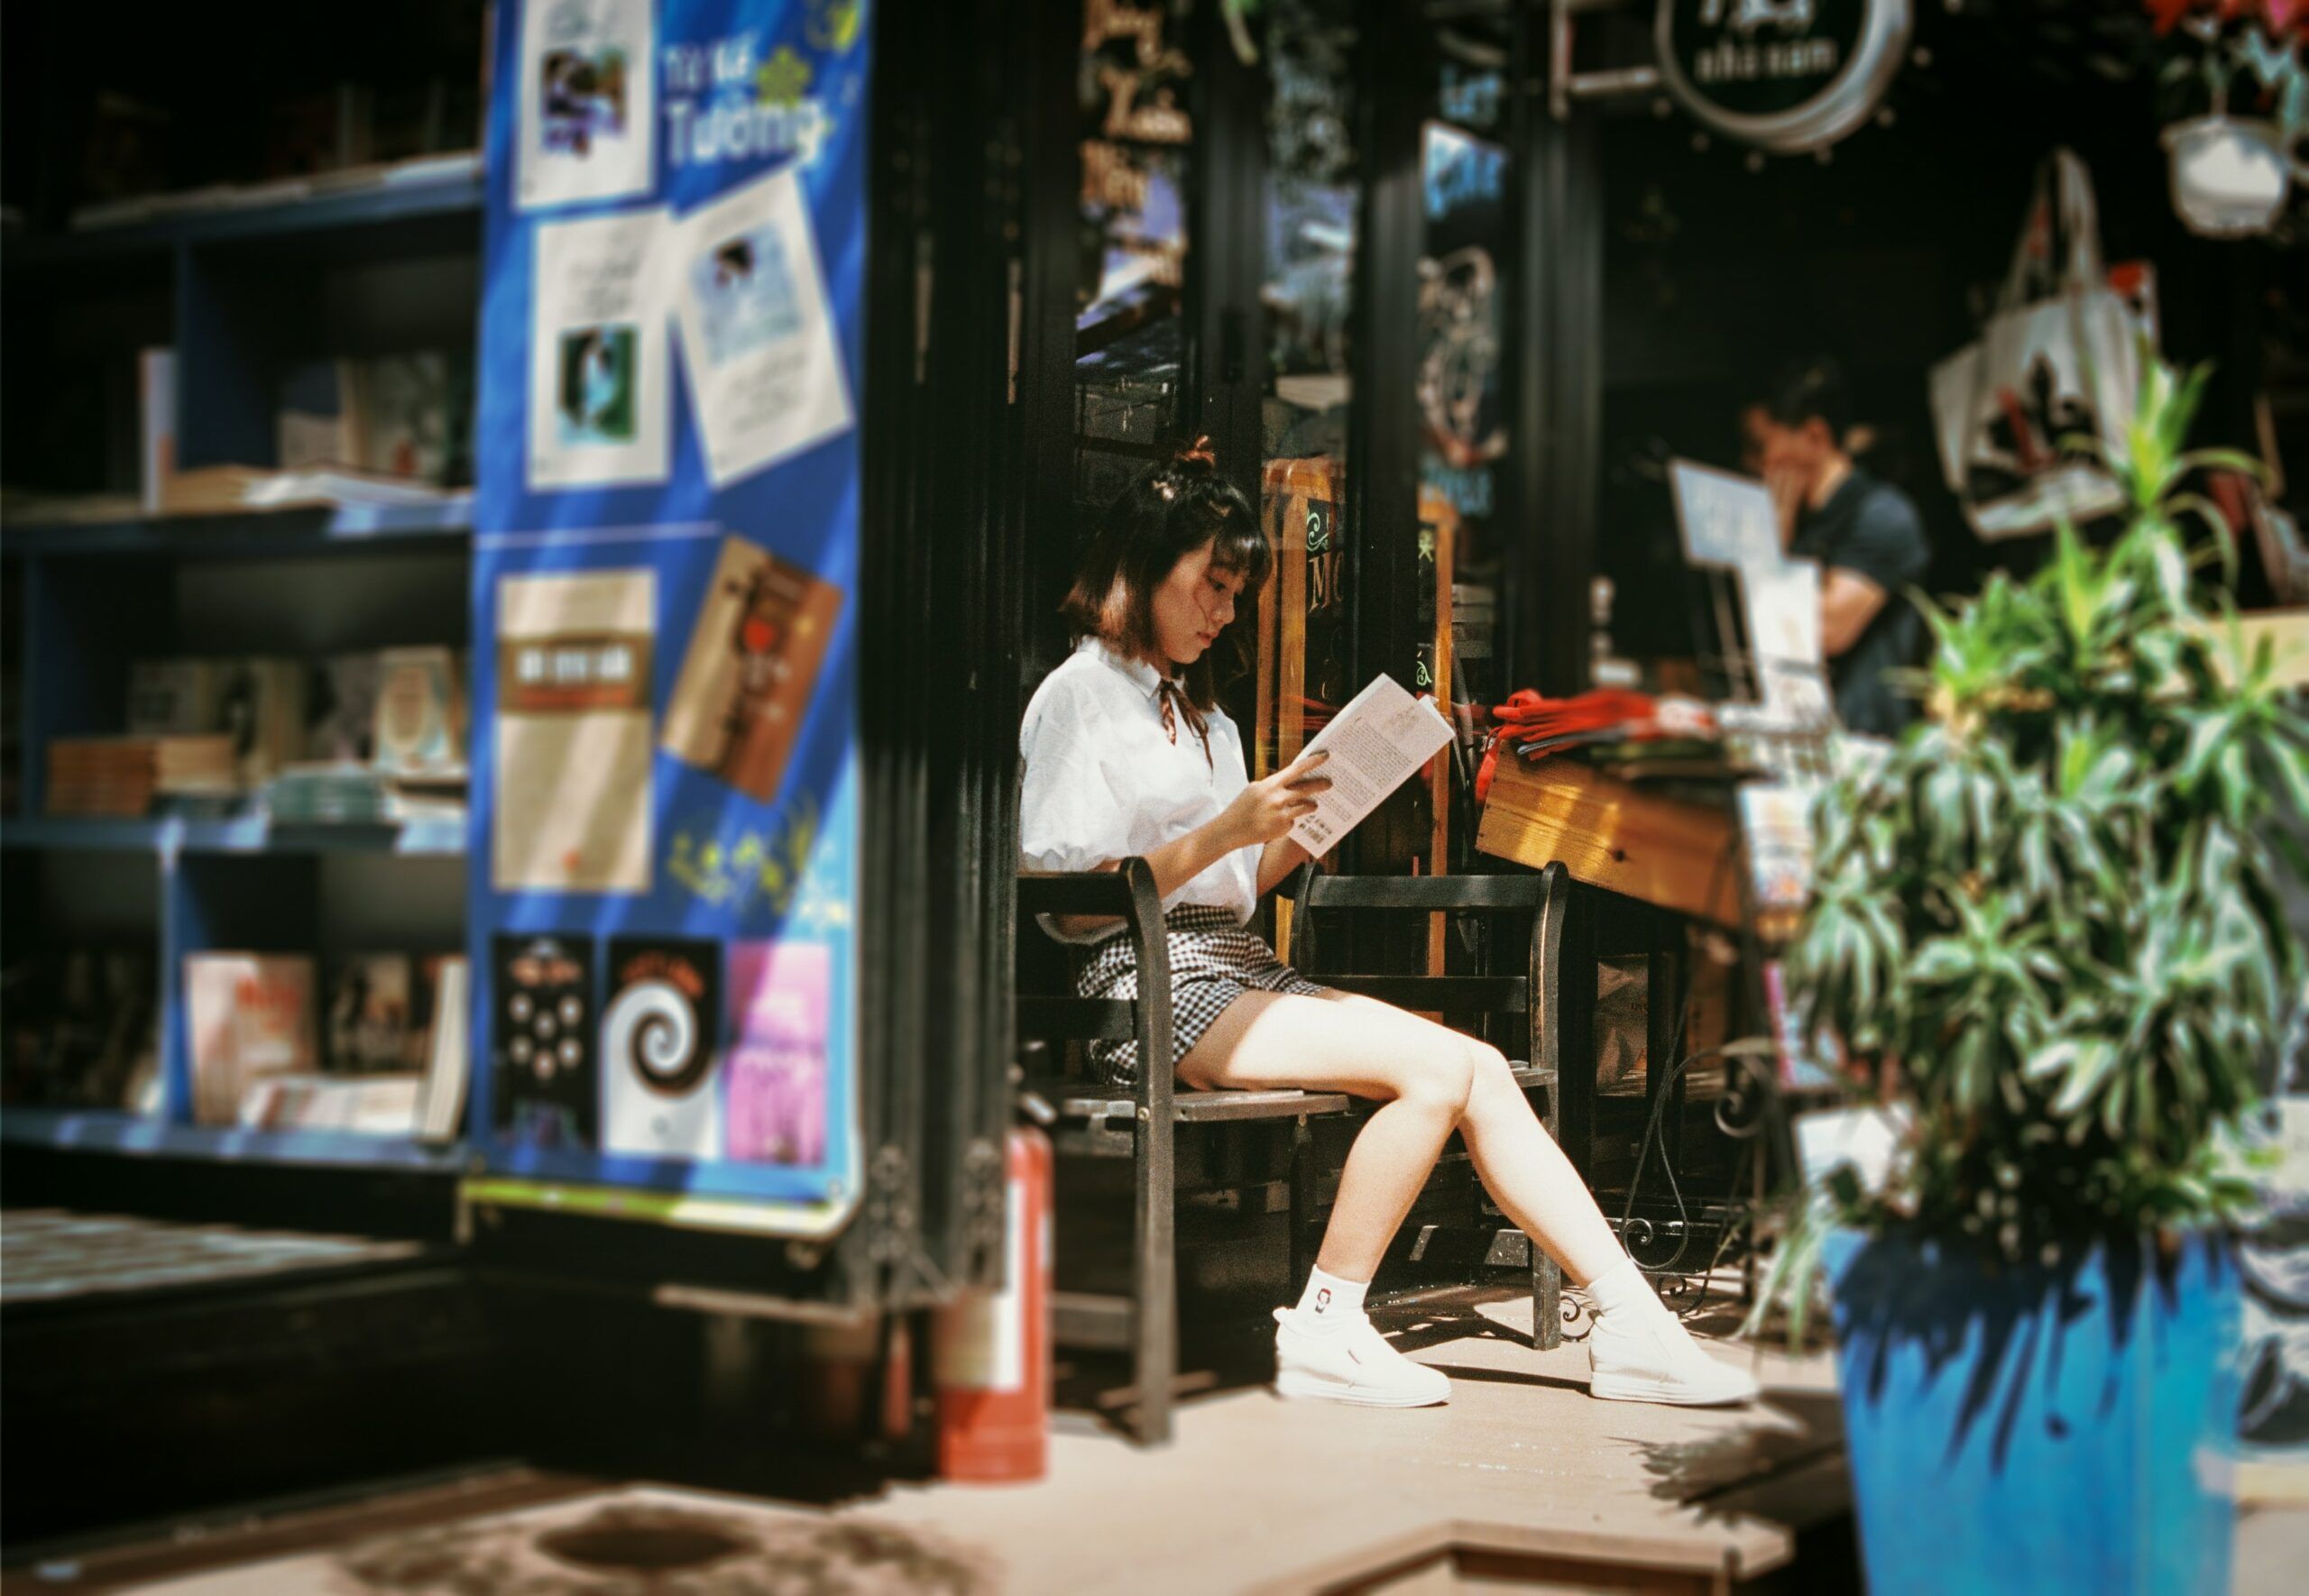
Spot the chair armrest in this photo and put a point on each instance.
(1128, 892)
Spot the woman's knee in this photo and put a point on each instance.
(1489, 1068)
(1443, 1079)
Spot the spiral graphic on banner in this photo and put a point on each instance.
(654, 1029)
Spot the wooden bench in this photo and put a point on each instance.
(1140, 1124)
(1522, 1012)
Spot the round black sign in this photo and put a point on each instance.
(1786, 75)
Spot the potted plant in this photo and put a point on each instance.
(2231, 174)
(2047, 923)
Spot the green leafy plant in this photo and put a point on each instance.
(2047, 923)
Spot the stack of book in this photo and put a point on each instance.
(217, 490)
(375, 1105)
(101, 775)
(327, 795)
(201, 767)
(432, 801)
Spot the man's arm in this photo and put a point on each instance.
(1885, 552)
(1848, 603)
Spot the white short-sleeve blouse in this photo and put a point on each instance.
(1103, 780)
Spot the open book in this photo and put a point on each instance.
(1375, 743)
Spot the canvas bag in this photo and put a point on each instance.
(2059, 357)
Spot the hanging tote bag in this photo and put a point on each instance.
(2056, 370)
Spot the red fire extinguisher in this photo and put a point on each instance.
(993, 1348)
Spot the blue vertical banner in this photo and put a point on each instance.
(663, 845)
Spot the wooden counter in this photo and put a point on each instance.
(1677, 855)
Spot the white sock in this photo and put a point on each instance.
(1622, 1288)
(1330, 1303)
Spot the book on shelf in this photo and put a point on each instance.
(340, 722)
(22, 506)
(448, 1053)
(206, 766)
(156, 396)
(108, 777)
(249, 1017)
(311, 135)
(175, 696)
(420, 712)
(400, 417)
(80, 1029)
(261, 706)
(374, 1024)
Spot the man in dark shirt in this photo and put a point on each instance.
(1864, 532)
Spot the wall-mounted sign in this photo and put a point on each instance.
(1786, 76)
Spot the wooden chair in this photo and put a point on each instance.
(1525, 1006)
(1140, 1124)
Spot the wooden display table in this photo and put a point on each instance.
(1675, 855)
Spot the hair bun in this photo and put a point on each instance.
(1198, 454)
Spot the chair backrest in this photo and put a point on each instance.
(1524, 986)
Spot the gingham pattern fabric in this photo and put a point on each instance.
(1213, 962)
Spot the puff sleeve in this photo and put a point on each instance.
(1070, 816)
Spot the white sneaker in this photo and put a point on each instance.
(1650, 1358)
(1351, 1364)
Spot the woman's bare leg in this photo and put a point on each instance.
(1435, 1080)
(1520, 1164)
(1422, 1073)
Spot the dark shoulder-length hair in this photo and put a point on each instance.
(1160, 519)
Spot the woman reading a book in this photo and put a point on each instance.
(1127, 753)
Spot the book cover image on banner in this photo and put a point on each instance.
(574, 658)
(752, 666)
(546, 1093)
(588, 100)
(600, 402)
(781, 994)
(765, 373)
(660, 1041)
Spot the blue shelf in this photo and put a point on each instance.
(454, 196)
(443, 526)
(252, 834)
(98, 1131)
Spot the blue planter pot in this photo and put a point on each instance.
(2068, 1427)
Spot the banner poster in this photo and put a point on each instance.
(663, 868)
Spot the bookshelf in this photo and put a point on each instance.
(416, 529)
(443, 202)
(169, 834)
(121, 1132)
(242, 291)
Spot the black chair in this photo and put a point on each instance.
(1523, 1013)
(1098, 1121)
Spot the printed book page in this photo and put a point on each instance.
(1375, 743)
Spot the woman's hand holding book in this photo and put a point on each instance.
(1268, 809)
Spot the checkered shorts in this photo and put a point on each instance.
(1213, 962)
